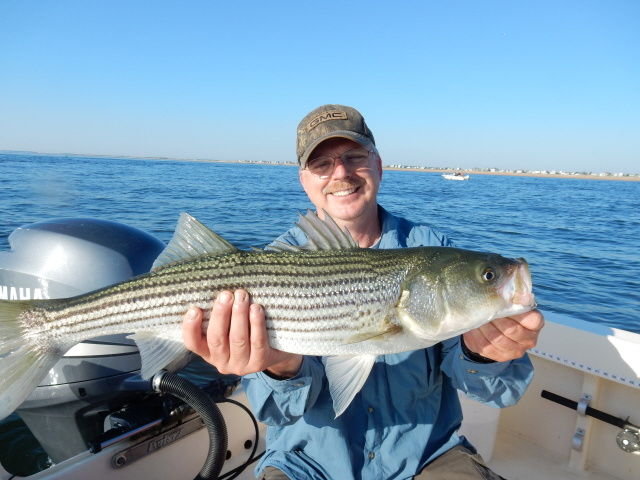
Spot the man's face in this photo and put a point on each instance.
(346, 194)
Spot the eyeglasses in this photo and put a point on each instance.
(324, 166)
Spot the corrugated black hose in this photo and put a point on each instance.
(209, 412)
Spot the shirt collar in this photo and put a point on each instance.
(389, 236)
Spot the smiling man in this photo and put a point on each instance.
(346, 187)
(403, 423)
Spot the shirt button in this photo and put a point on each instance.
(372, 455)
(370, 409)
(299, 384)
(473, 371)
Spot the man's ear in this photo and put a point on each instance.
(303, 180)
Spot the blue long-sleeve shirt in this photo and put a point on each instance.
(406, 414)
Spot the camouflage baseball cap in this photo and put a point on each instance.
(329, 121)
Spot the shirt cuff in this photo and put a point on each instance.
(302, 379)
(473, 356)
(476, 370)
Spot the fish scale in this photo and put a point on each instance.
(311, 304)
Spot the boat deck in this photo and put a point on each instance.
(518, 459)
(537, 438)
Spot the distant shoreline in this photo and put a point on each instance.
(466, 172)
(436, 170)
(634, 178)
(513, 174)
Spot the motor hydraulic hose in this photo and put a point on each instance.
(209, 412)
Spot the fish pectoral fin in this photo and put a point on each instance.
(346, 376)
(191, 240)
(156, 353)
(377, 335)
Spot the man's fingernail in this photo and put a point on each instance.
(191, 314)
(225, 297)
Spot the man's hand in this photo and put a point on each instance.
(236, 339)
(506, 338)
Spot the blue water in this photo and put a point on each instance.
(580, 237)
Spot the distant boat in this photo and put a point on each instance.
(455, 176)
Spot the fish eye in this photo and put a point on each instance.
(488, 274)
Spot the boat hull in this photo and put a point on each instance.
(448, 176)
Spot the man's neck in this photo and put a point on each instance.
(365, 231)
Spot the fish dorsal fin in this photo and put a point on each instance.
(321, 235)
(190, 240)
(346, 376)
(278, 246)
(325, 235)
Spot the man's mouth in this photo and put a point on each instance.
(341, 189)
(343, 193)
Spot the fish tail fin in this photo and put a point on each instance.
(22, 364)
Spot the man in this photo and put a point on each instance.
(403, 422)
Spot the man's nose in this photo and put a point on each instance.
(339, 170)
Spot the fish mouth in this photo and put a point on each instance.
(518, 290)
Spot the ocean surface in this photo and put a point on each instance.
(580, 237)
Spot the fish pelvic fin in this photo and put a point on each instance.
(22, 365)
(346, 376)
(321, 235)
(191, 240)
(156, 353)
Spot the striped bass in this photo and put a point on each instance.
(328, 298)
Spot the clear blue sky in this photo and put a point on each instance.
(479, 83)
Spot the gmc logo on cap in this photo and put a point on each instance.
(323, 117)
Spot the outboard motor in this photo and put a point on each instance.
(63, 258)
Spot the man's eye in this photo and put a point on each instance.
(321, 163)
(356, 157)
